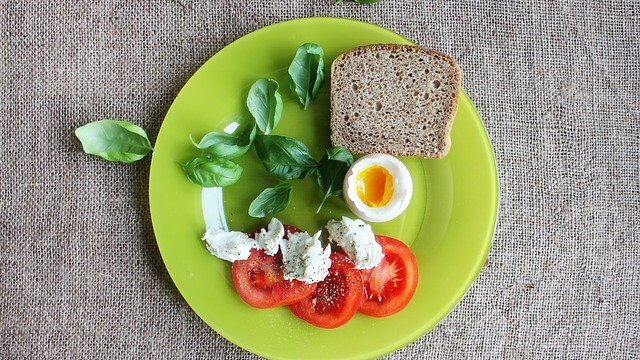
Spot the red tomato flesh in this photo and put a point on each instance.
(260, 282)
(336, 298)
(390, 286)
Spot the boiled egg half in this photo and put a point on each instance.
(378, 187)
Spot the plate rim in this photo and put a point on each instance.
(473, 276)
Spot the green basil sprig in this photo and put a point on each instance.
(114, 140)
(306, 72)
(284, 157)
(265, 104)
(271, 201)
(221, 145)
(340, 154)
(212, 172)
(332, 169)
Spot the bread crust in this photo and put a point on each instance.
(451, 108)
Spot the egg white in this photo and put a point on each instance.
(402, 188)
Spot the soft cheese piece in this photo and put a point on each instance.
(357, 239)
(269, 239)
(304, 259)
(228, 245)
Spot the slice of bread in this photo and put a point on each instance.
(394, 99)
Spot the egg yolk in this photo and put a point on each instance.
(374, 186)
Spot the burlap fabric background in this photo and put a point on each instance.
(557, 83)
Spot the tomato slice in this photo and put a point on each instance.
(260, 282)
(336, 298)
(390, 286)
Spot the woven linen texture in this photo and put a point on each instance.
(556, 82)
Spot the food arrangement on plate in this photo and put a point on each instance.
(356, 166)
(386, 101)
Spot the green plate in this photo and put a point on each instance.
(449, 223)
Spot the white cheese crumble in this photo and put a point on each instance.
(357, 239)
(304, 258)
(269, 239)
(228, 245)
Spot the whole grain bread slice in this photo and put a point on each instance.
(394, 99)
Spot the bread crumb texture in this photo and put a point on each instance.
(394, 99)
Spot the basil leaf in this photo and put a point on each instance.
(331, 172)
(265, 104)
(271, 201)
(114, 140)
(209, 172)
(221, 145)
(341, 154)
(307, 72)
(284, 157)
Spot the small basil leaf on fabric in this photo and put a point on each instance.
(212, 172)
(265, 104)
(284, 157)
(114, 140)
(306, 72)
(221, 145)
(271, 201)
(332, 169)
